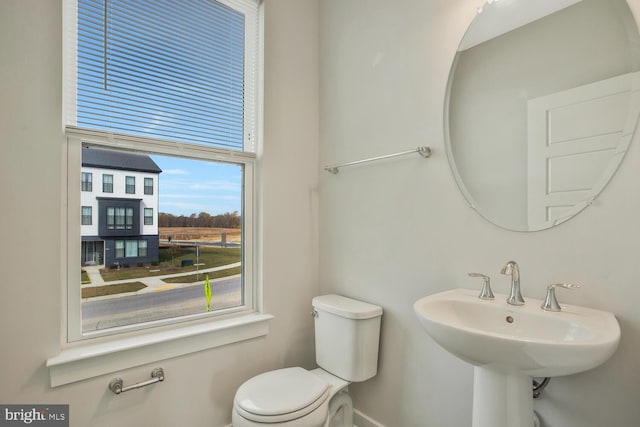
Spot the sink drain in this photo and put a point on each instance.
(509, 319)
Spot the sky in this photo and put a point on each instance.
(192, 186)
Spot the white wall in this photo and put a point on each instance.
(397, 230)
(199, 388)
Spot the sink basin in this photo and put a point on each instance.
(509, 344)
(534, 341)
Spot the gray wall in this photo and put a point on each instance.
(395, 231)
(199, 387)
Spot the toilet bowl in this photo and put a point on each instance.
(293, 397)
(347, 335)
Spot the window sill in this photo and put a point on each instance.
(91, 360)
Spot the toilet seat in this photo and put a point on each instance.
(281, 395)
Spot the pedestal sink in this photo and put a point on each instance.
(509, 344)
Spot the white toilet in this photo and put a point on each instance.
(347, 336)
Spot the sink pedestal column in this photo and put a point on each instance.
(501, 398)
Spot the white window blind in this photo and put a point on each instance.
(174, 70)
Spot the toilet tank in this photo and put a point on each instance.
(347, 336)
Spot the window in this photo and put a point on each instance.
(139, 77)
(107, 183)
(148, 216)
(87, 181)
(119, 245)
(130, 185)
(148, 186)
(131, 248)
(86, 215)
(142, 248)
(111, 218)
(167, 71)
(119, 218)
(128, 219)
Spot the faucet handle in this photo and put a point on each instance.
(486, 292)
(550, 301)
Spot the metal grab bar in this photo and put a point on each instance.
(423, 151)
(117, 385)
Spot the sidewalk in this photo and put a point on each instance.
(152, 282)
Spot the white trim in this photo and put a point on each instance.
(87, 358)
(70, 67)
(116, 140)
(150, 146)
(88, 355)
(72, 237)
(258, 205)
(88, 361)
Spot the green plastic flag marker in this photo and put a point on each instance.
(207, 292)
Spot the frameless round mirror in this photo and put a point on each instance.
(542, 103)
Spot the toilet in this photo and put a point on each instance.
(347, 334)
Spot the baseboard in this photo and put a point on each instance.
(362, 420)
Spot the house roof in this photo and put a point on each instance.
(119, 160)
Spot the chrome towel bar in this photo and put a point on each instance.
(117, 385)
(423, 151)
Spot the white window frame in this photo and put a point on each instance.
(104, 183)
(144, 216)
(88, 181)
(82, 215)
(127, 179)
(90, 355)
(145, 186)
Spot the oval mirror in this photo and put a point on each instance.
(541, 106)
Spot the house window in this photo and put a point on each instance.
(131, 248)
(119, 218)
(107, 183)
(180, 87)
(148, 216)
(142, 248)
(86, 215)
(130, 185)
(87, 181)
(128, 219)
(111, 218)
(148, 186)
(119, 246)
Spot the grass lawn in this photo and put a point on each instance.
(99, 291)
(170, 260)
(197, 277)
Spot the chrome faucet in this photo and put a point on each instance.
(551, 302)
(515, 297)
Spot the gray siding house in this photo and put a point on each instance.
(119, 208)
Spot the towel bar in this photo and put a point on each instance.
(423, 151)
(117, 385)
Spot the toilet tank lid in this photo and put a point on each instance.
(346, 307)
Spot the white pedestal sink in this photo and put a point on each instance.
(509, 344)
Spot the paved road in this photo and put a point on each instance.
(169, 302)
